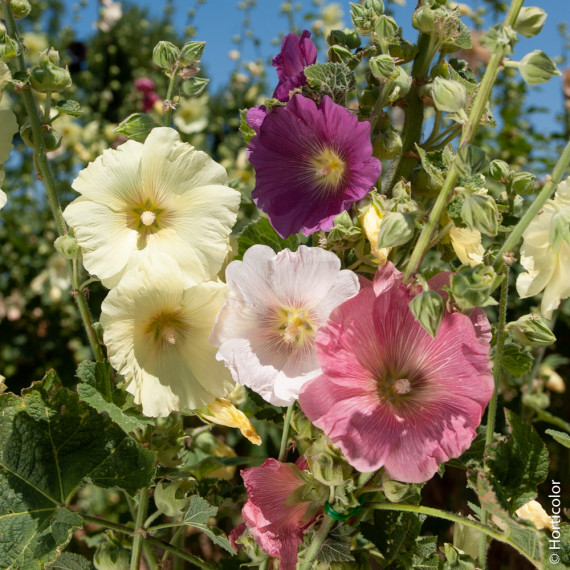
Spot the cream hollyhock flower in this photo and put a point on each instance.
(545, 256)
(8, 128)
(467, 245)
(191, 115)
(160, 196)
(156, 330)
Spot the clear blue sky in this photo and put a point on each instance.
(218, 21)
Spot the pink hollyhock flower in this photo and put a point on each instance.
(276, 302)
(278, 528)
(392, 396)
(311, 163)
(296, 54)
(144, 85)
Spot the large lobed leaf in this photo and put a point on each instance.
(51, 444)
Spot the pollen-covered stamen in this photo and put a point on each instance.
(401, 386)
(148, 218)
(168, 333)
(328, 168)
(295, 326)
(394, 387)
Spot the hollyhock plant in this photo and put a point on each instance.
(277, 526)
(276, 302)
(546, 255)
(156, 331)
(392, 396)
(296, 54)
(311, 163)
(160, 196)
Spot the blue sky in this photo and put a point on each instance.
(217, 21)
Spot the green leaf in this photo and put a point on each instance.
(69, 107)
(518, 464)
(136, 126)
(70, 561)
(561, 437)
(247, 132)
(455, 559)
(195, 86)
(261, 231)
(198, 514)
(51, 444)
(336, 548)
(335, 79)
(516, 361)
(436, 163)
(426, 555)
(95, 390)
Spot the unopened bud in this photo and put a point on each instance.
(377, 6)
(522, 183)
(387, 144)
(479, 211)
(499, 170)
(8, 47)
(530, 21)
(336, 37)
(191, 52)
(472, 286)
(371, 220)
(20, 9)
(51, 139)
(340, 54)
(532, 330)
(536, 67)
(428, 307)
(361, 17)
(396, 229)
(165, 55)
(50, 56)
(68, 247)
(423, 19)
(448, 95)
(48, 77)
(399, 86)
(385, 29)
(404, 50)
(383, 67)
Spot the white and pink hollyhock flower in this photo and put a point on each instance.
(277, 527)
(266, 330)
(389, 394)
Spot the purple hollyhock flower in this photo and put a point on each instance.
(296, 54)
(311, 163)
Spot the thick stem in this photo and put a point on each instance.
(492, 410)
(530, 214)
(139, 530)
(317, 542)
(285, 435)
(468, 132)
(167, 119)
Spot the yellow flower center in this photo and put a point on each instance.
(148, 218)
(166, 329)
(328, 169)
(295, 326)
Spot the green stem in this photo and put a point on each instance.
(468, 132)
(149, 556)
(492, 410)
(47, 108)
(265, 563)
(435, 130)
(317, 542)
(285, 435)
(167, 119)
(530, 214)
(139, 529)
(453, 518)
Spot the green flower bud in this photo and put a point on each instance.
(499, 170)
(352, 40)
(472, 286)
(195, 86)
(387, 144)
(383, 67)
(479, 211)
(428, 307)
(500, 39)
(368, 97)
(8, 47)
(377, 6)
(52, 140)
(165, 55)
(336, 37)
(396, 229)
(449, 96)
(386, 29)
(423, 184)
(191, 52)
(20, 9)
(423, 19)
(403, 50)
(560, 228)
(361, 17)
(68, 247)
(111, 558)
(536, 67)
(523, 183)
(400, 86)
(48, 77)
(340, 54)
(532, 330)
(530, 21)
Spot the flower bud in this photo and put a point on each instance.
(536, 67)
(68, 247)
(165, 55)
(472, 286)
(340, 54)
(499, 170)
(371, 220)
(522, 183)
(51, 140)
(403, 50)
(385, 29)
(396, 229)
(428, 307)
(448, 95)
(50, 56)
(479, 211)
(377, 6)
(111, 557)
(191, 52)
(400, 86)
(500, 39)
(532, 330)
(361, 17)
(20, 9)
(423, 19)
(530, 21)
(195, 86)
(387, 144)
(383, 67)
(48, 77)
(8, 47)
(336, 37)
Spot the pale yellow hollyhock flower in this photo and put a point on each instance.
(160, 196)
(223, 412)
(191, 115)
(533, 512)
(156, 331)
(8, 128)
(371, 221)
(467, 245)
(547, 265)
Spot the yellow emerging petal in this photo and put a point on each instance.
(371, 221)
(467, 245)
(533, 512)
(223, 412)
